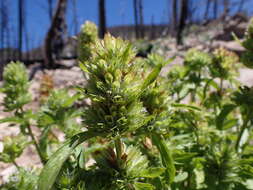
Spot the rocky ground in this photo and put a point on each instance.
(205, 40)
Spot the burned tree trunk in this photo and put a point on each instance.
(207, 10)
(182, 21)
(215, 9)
(141, 21)
(20, 27)
(55, 36)
(138, 19)
(4, 30)
(102, 18)
(174, 16)
(136, 23)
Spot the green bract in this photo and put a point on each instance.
(190, 130)
(22, 180)
(88, 35)
(244, 96)
(15, 86)
(124, 172)
(114, 87)
(59, 111)
(223, 62)
(13, 148)
(247, 43)
(196, 59)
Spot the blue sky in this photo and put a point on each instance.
(119, 12)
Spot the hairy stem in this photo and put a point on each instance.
(35, 144)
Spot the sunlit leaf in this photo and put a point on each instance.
(53, 166)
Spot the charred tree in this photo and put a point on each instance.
(136, 20)
(25, 33)
(215, 9)
(20, 27)
(141, 20)
(182, 20)
(55, 37)
(207, 10)
(174, 16)
(102, 18)
(4, 28)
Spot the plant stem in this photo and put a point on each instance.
(244, 126)
(118, 147)
(35, 144)
(221, 86)
(15, 164)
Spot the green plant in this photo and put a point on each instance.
(115, 89)
(57, 111)
(142, 131)
(88, 36)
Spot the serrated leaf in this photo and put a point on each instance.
(143, 186)
(152, 172)
(53, 166)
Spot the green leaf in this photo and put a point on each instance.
(209, 82)
(186, 106)
(143, 186)
(152, 76)
(166, 156)
(53, 166)
(223, 114)
(12, 120)
(181, 177)
(69, 102)
(84, 69)
(152, 172)
(230, 123)
(237, 39)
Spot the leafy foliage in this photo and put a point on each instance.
(15, 86)
(189, 129)
(13, 147)
(88, 35)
